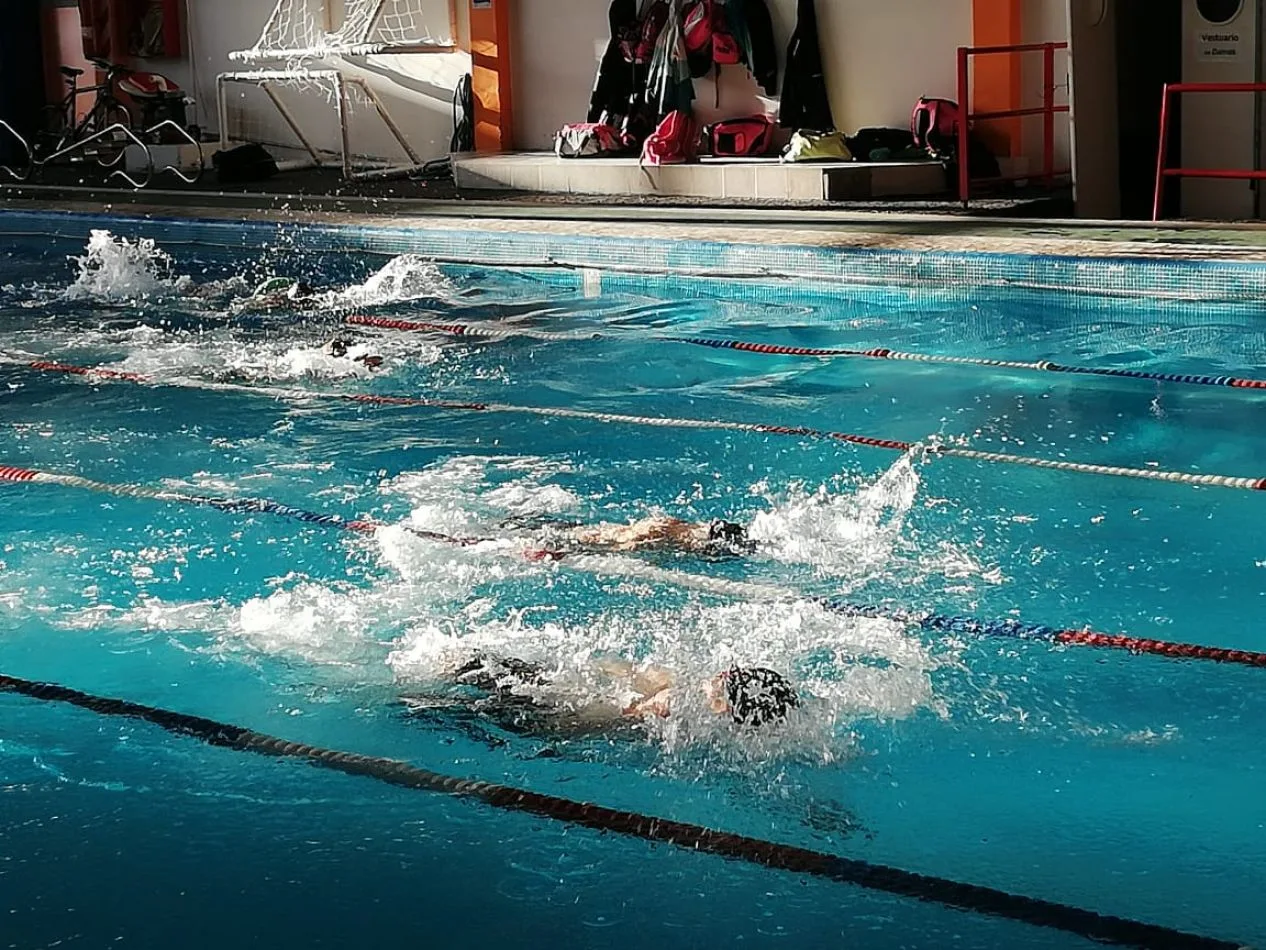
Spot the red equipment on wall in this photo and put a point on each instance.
(149, 29)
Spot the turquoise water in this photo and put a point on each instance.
(1126, 784)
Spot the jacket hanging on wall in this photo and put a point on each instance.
(804, 100)
(720, 33)
(619, 82)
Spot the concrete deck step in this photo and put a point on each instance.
(761, 178)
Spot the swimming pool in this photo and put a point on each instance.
(1124, 783)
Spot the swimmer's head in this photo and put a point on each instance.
(299, 289)
(753, 696)
(727, 538)
(338, 347)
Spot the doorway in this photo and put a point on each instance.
(1149, 41)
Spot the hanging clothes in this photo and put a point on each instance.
(669, 87)
(764, 51)
(804, 100)
(619, 82)
(749, 25)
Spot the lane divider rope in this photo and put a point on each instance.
(928, 888)
(626, 567)
(773, 349)
(1045, 366)
(948, 451)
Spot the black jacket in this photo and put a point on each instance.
(618, 80)
(760, 27)
(804, 101)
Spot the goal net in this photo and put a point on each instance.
(298, 97)
(301, 31)
(315, 117)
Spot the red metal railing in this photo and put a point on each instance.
(1048, 110)
(1163, 171)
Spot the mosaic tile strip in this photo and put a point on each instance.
(746, 271)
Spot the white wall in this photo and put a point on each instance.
(882, 55)
(417, 89)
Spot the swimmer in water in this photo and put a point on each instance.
(520, 696)
(280, 293)
(712, 539)
(341, 350)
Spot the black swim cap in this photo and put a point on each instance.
(758, 696)
(728, 537)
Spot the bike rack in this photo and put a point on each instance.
(26, 146)
(202, 160)
(82, 145)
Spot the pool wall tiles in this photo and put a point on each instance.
(691, 266)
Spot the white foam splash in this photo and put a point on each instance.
(839, 533)
(404, 278)
(117, 269)
(169, 356)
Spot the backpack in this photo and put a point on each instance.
(934, 125)
(735, 138)
(675, 142)
(706, 30)
(638, 41)
(586, 139)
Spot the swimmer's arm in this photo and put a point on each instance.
(645, 681)
(654, 705)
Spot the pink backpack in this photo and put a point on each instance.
(707, 29)
(674, 142)
(735, 138)
(934, 125)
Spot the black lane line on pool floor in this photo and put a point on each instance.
(970, 897)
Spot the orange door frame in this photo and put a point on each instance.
(490, 74)
(997, 81)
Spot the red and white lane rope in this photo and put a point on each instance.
(897, 445)
(468, 330)
(473, 331)
(623, 567)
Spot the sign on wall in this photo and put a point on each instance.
(1217, 38)
(1218, 44)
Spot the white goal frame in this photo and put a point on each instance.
(264, 79)
(351, 40)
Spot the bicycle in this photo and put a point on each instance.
(61, 129)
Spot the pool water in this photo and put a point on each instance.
(1126, 784)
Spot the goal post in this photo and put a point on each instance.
(296, 82)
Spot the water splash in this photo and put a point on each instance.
(405, 278)
(840, 533)
(120, 270)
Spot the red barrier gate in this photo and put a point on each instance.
(1163, 171)
(1048, 110)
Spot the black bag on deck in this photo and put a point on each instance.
(249, 162)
